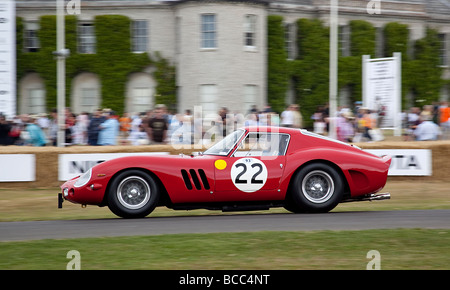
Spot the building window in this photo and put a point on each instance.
(31, 40)
(139, 32)
(250, 30)
(250, 96)
(142, 99)
(443, 56)
(86, 38)
(208, 29)
(37, 101)
(89, 99)
(208, 99)
(289, 40)
(344, 40)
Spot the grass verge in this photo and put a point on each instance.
(398, 248)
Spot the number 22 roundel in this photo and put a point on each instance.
(249, 174)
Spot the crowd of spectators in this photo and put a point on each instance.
(432, 122)
(158, 126)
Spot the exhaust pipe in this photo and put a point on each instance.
(370, 197)
(380, 196)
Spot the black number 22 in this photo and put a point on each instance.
(244, 170)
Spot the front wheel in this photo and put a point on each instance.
(316, 188)
(133, 194)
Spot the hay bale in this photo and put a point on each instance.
(47, 158)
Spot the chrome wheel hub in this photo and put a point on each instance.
(133, 192)
(318, 186)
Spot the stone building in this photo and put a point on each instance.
(218, 47)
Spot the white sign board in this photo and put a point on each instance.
(382, 89)
(7, 58)
(407, 162)
(72, 165)
(17, 167)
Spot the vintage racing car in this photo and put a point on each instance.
(252, 168)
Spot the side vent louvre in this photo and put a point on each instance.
(195, 179)
(186, 179)
(198, 182)
(204, 179)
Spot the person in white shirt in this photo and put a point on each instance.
(427, 130)
(287, 117)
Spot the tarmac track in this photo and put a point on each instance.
(64, 229)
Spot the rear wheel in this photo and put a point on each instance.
(316, 188)
(133, 194)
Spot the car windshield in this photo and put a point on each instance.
(224, 146)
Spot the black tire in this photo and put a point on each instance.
(133, 194)
(316, 188)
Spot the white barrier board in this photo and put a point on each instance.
(17, 167)
(72, 165)
(407, 162)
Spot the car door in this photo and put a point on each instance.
(253, 171)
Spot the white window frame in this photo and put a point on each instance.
(86, 38)
(139, 36)
(31, 37)
(250, 24)
(208, 31)
(443, 50)
(249, 97)
(36, 103)
(289, 40)
(345, 40)
(209, 99)
(142, 99)
(89, 100)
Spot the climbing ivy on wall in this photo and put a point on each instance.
(113, 61)
(277, 75)
(312, 66)
(421, 74)
(396, 38)
(425, 76)
(362, 42)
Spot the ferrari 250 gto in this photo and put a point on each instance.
(253, 168)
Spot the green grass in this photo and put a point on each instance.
(398, 248)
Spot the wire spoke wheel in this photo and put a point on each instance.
(133, 192)
(318, 186)
(315, 188)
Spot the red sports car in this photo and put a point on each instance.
(252, 168)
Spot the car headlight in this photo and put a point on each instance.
(84, 179)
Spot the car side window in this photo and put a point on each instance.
(263, 144)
